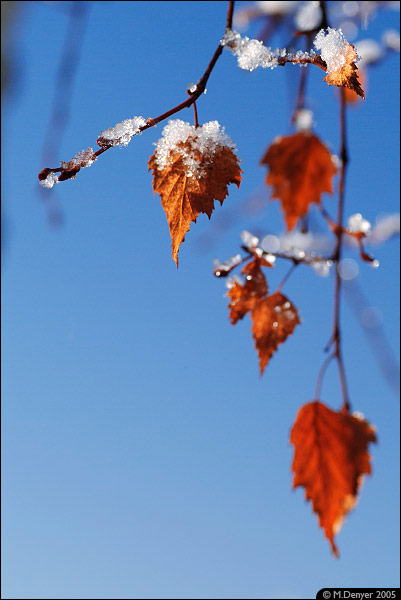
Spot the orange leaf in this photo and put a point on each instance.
(301, 169)
(190, 181)
(346, 76)
(351, 96)
(243, 298)
(329, 461)
(273, 320)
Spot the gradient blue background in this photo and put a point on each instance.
(143, 455)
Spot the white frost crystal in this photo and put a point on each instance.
(250, 53)
(121, 134)
(333, 48)
(204, 141)
(357, 224)
(50, 180)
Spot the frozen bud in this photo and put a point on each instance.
(357, 224)
(50, 180)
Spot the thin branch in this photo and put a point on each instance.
(338, 252)
(199, 90)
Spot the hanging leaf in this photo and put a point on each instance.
(243, 298)
(273, 319)
(192, 167)
(331, 456)
(347, 76)
(300, 170)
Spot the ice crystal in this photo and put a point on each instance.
(50, 180)
(121, 134)
(333, 48)
(250, 53)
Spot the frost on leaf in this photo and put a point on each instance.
(330, 459)
(340, 58)
(300, 170)
(273, 319)
(192, 167)
(243, 298)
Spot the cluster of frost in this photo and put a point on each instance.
(50, 180)
(308, 16)
(251, 53)
(357, 224)
(333, 48)
(304, 120)
(121, 134)
(202, 141)
(82, 159)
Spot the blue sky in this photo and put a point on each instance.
(144, 457)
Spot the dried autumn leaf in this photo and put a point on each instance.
(347, 76)
(273, 319)
(300, 170)
(243, 298)
(330, 459)
(351, 96)
(190, 175)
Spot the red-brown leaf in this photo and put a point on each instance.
(330, 459)
(273, 319)
(243, 298)
(300, 170)
(184, 197)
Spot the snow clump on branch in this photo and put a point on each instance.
(121, 134)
